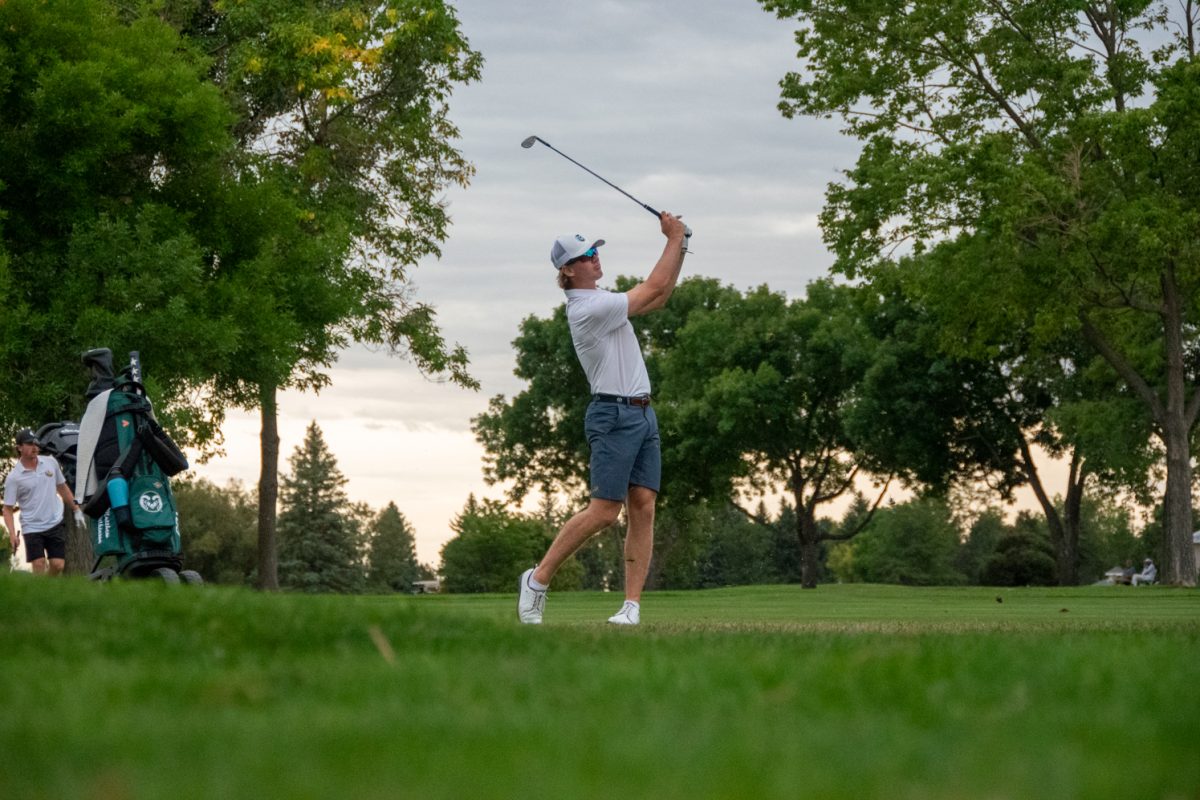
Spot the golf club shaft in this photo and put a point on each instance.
(601, 177)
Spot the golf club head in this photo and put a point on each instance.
(528, 143)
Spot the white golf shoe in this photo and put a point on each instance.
(531, 602)
(630, 614)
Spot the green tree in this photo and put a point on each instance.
(785, 556)
(1109, 540)
(493, 546)
(758, 394)
(392, 563)
(956, 416)
(753, 392)
(739, 550)
(344, 148)
(1040, 163)
(1024, 556)
(237, 230)
(217, 528)
(111, 142)
(320, 538)
(981, 542)
(914, 544)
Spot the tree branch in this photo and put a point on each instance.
(841, 537)
(1127, 297)
(850, 112)
(751, 517)
(1193, 409)
(1107, 36)
(1035, 481)
(976, 70)
(1123, 368)
(1190, 15)
(824, 498)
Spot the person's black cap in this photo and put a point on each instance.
(26, 436)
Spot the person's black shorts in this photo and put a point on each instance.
(52, 543)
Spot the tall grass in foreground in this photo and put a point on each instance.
(140, 691)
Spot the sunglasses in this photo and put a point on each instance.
(590, 254)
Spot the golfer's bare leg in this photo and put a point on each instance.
(39, 566)
(639, 540)
(598, 515)
(57, 565)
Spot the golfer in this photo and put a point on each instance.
(35, 485)
(621, 428)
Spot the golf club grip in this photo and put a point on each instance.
(687, 232)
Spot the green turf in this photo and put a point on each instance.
(143, 691)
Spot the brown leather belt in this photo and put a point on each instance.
(641, 401)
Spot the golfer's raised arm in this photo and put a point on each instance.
(654, 292)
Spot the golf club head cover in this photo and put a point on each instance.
(100, 365)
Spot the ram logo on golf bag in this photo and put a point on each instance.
(151, 502)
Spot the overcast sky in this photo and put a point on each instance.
(674, 101)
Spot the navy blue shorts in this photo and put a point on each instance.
(625, 449)
(52, 543)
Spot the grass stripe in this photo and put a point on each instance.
(139, 691)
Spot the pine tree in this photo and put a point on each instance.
(318, 530)
(392, 563)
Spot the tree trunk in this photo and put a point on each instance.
(1176, 424)
(810, 547)
(1064, 540)
(1068, 552)
(810, 534)
(80, 557)
(268, 492)
(1174, 421)
(1179, 559)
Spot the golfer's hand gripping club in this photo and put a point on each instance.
(687, 232)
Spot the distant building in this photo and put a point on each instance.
(426, 587)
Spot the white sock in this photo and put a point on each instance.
(534, 583)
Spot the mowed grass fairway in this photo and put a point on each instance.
(137, 690)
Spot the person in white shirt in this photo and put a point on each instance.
(621, 427)
(1149, 573)
(35, 486)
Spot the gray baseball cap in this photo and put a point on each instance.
(26, 436)
(570, 246)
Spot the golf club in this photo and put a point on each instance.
(528, 143)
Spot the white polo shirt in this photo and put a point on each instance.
(605, 342)
(35, 492)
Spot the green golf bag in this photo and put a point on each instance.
(123, 481)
